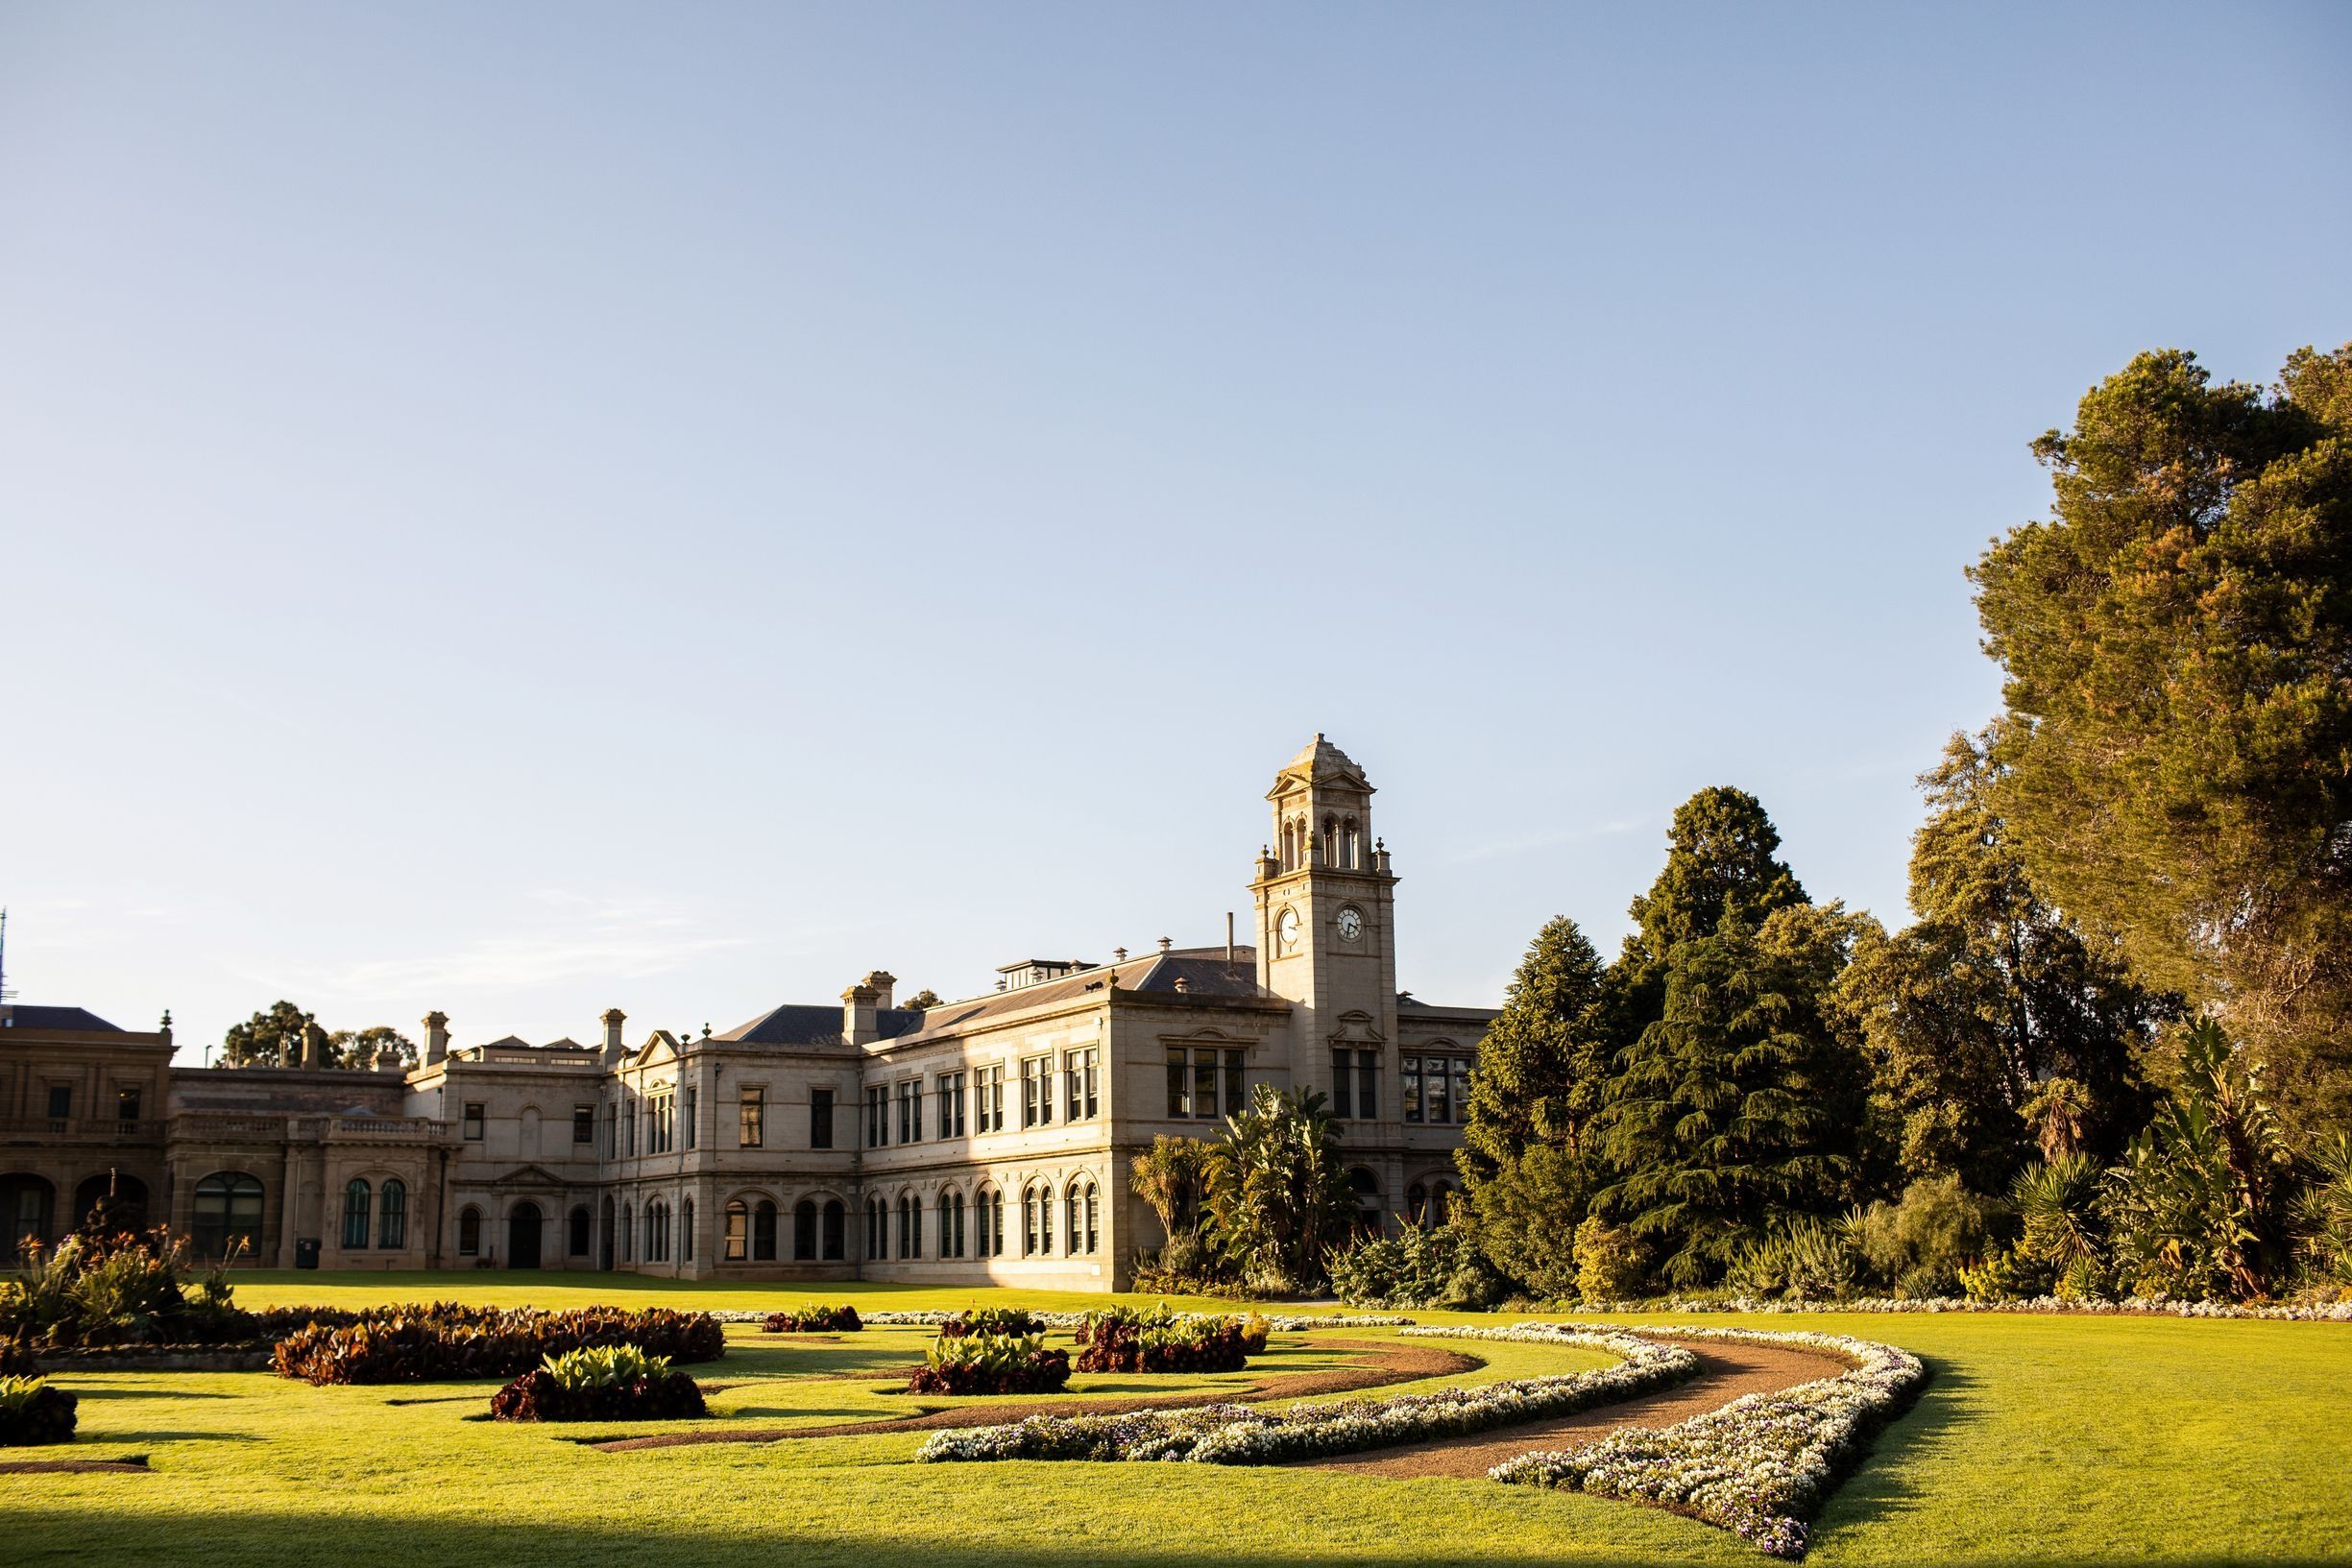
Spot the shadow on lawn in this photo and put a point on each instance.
(1877, 1494)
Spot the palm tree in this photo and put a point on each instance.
(1280, 1192)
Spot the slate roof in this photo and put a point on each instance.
(77, 1018)
(1203, 971)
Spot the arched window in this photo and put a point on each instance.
(877, 1228)
(909, 1225)
(628, 1234)
(763, 1232)
(657, 1232)
(392, 1215)
(1351, 845)
(686, 1231)
(989, 1243)
(228, 1214)
(468, 1232)
(1037, 1220)
(1083, 1217)
(1417, 1205)
(577, 1238)
(355, 1195)
(804, 1231)
(951, 1225)
(836, 1224)
(736, 1247)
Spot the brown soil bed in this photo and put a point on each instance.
(1384, 1363)
(1726, 1371)
(73, 1468)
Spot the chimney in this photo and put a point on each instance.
(882, 983)
(1229, 936)
(436, 1037)
(614, 1050)
(858, 1024)
(314, 1046)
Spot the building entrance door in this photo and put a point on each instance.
(523, 1237)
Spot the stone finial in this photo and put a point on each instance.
(1118, 955)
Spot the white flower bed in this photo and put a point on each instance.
(1281, 1322)
(2333, 1312)
(1244, 1434)
(1759, 1466)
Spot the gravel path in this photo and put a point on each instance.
(1726, 1371)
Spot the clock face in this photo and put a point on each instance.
(1351, 924)
(1286, 927)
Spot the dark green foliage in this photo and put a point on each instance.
(1525, 1215)
(1921, 1245)
(1741, 1105)
(1440, 1267)
(1722, 863)
(117, 1290)
(820, 1320)
(1803, 1259)
(1991, 993)
(1173, 1177)
(446, 1340)
(1544, 1061)
(1130, 1340)
(614, 1382)
(2178, 764)
(267, 1039)
(33, 1412)
(1278, 1192)
(380, 1048)
(995, 1320)
(990, 1364)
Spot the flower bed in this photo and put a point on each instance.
(34, 1412)
(1243, 1434)
(990, 1364)
(2329, 1312)
(614, 1383)
(1762, 1465)
(991, 1321)
(812, 1321)
(1125, 1340)
(416, 1344)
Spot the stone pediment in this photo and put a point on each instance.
(660, 1047)
(528, 1176)
(1357, 1028)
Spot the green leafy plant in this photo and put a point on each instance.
(33, 1412)
(599, 1382)
(991, 1363)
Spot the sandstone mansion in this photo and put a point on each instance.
(982, 1141)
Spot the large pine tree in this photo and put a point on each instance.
(1545, 1060)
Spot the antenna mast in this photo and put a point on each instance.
(5, 995)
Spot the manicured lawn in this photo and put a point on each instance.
(2041, 1441)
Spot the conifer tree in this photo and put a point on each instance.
(1544, 1061)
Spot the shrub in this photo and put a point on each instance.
(416, 1344)
(992, 1320)
(1125, 1340)
(1806, 1258)
(1609, 1266)
(990, 1364)
(1441, 1266)
(827, 1319)
(32, 1412)
(1923, 1243)
(604, 1383)
(16, 1359)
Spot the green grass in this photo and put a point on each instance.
(2041, 1441)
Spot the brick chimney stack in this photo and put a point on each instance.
(614, 1050)
(883, 984)
(436, 1037)
(858, 1024)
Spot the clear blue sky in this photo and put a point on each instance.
(529, 509)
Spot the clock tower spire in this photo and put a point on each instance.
(1326, 898)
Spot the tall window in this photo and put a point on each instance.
(473, 1122)
(837, 1227)
(657, 1232)
(577, 1240)
(820, 1119)
(583, 1123)
(804, 1231)
(988, 1098)
(1037, 1220)
(1037, 1091)
(690, 1127)
(877, 1114)
(228, 1213)
(1355, 1085)
(951, 1225)
(763, 1232)
(392, 1215)
(355, 1195)
(628, 1120)
(951, 1105)
(909, 1225)
(910, 1110)
(628, 1234)
(1085, 1213)
(751, 1117)
(876, 1229)
(126, 1104)
(1204, 1083)
(686, 1231)
(735, 1246)
(988, 1218)
(468, 1232)
(1079, 1083)
(61, 1101)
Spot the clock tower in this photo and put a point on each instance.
(1325, 900)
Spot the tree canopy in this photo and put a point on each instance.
(2178, 768)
